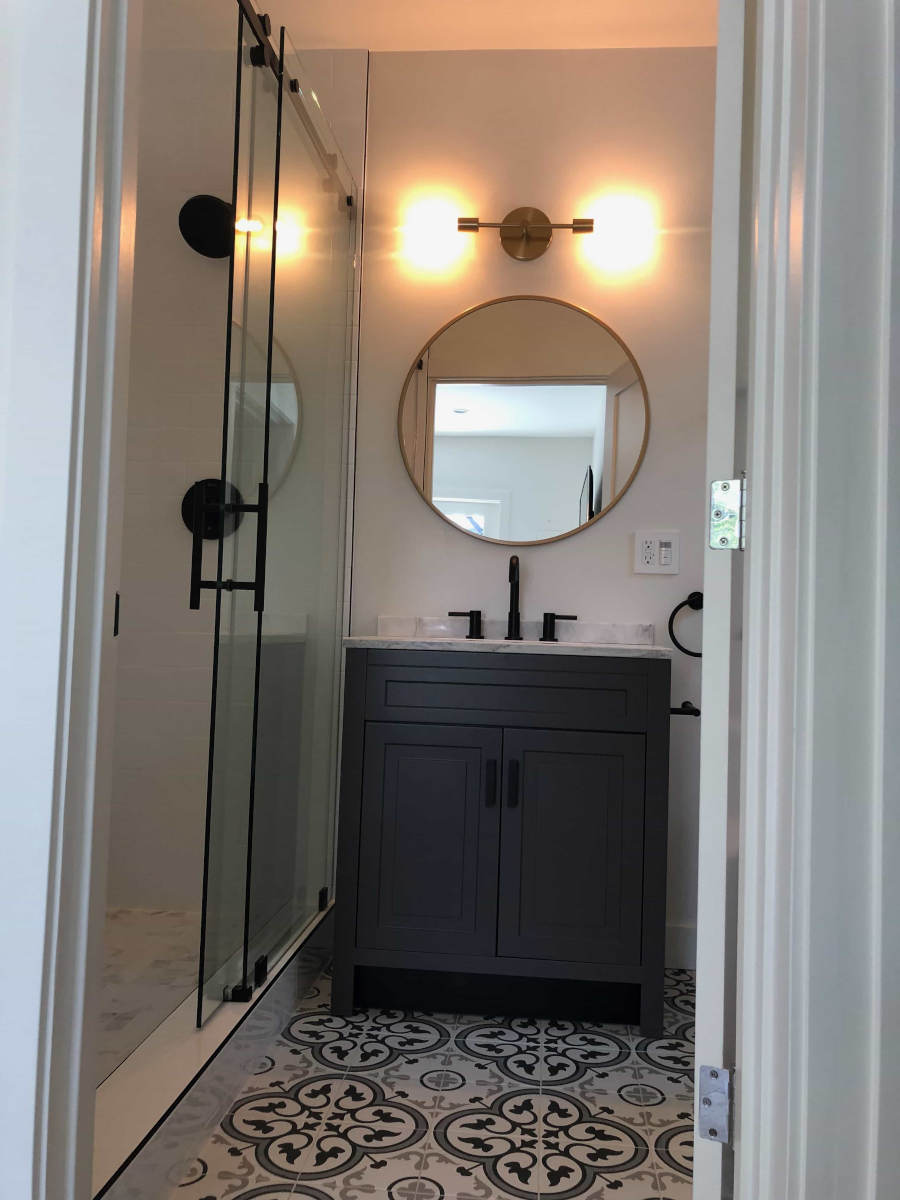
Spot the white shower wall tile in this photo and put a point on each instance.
(170, 649)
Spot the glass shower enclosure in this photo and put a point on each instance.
(278, 518)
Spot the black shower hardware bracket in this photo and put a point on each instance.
(694, 601)
(223, 509)
(208, 502)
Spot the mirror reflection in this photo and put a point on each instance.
(523, 420)
(248, 398)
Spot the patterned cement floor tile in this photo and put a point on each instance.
(393, 1105)
(366, 1141)
(365, 1041)
(443, 1083)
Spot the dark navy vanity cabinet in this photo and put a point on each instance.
(504, 814)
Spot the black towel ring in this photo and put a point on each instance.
(695, 601)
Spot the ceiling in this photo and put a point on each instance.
(496, 24)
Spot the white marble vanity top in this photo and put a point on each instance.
(500, 646)
(598, 633)
(575, 637)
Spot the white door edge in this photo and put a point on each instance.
(717, 850)
(818, 823)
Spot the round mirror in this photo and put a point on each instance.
(523, 420)
(248, 393)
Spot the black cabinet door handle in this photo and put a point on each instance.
(512, 795)
(490, 783)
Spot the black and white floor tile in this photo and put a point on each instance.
(413, 1106)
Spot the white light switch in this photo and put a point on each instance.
(656, 552)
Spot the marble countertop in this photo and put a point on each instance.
(500, 646)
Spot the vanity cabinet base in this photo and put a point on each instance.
(504, 819)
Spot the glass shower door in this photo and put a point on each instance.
(279, 582)
(239, 585)
(296, 763)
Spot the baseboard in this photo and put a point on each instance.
(681, 945)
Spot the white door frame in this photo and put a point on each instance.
(818, 964)
(66, 232)
(818, 972)
(720, 733)
(817, 1020)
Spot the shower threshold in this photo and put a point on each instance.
(137, 1096)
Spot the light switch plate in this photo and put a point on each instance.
(656, 552)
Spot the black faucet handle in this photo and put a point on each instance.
(474, 615)
(548, 633)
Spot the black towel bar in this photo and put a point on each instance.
(695, 601)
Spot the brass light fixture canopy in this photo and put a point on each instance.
(525, 233)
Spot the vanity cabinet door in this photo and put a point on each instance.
(429, 839)
(571, 866)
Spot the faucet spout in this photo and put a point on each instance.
(513, 624)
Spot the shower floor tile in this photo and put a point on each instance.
(390, 1105)
(149, 967)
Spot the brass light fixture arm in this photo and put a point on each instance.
(473, 224)
(525, 233)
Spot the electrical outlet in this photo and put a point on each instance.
(656, 553)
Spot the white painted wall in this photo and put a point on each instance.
(42, 237)
(631, 119)
(541, 476)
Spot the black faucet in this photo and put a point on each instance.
(513, 621)
(476, 632)
(548, 633)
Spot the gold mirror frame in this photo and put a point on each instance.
(479, 537)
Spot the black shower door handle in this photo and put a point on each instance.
(197, 548)
(257, 585)
(262, 533)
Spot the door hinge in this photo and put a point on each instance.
(323, 899)
(728, 513)
(714, 1109)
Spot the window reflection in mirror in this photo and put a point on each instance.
(523, 420)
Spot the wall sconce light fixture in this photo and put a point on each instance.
(525, 233)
